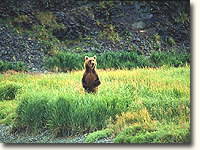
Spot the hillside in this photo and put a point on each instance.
(32, 31)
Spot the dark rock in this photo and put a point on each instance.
(134, 25)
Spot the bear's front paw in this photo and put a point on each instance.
(97, 83)
(85, 86)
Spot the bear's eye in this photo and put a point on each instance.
(90, 61)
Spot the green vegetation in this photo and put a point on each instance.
(66, 53)
(7, 112)
(19, 66)
(8, 91)
(171, 41)
(134, 106)
(144, 96)
(67, 113)
(118, 60)
(166, 134)
(48, 19)
(92, 137)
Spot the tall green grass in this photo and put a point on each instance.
(19, 66)
(153, 97)
(32, 112)
(118, 60)
(9, 90)
(67, 61)
(66, 113)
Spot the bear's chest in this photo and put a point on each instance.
(90, 79)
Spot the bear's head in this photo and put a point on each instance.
(90, 63)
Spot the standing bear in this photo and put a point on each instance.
(90, 80)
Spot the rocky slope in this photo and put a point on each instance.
(31, 30)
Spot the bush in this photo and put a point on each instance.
(132, 130)
(8, 91)
(93, 137)
(165, 134)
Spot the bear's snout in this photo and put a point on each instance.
(92, 64)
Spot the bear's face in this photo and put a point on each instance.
(90, 62)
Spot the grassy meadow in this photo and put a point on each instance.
(141, 105)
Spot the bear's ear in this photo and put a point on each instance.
(95, 57)
(86, 57)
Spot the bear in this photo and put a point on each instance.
(90, 80)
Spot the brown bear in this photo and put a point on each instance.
(90, 80)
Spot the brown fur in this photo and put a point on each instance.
(90, 80)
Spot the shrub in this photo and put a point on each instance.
(93, 137)
(132, 130)
(165, 134)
